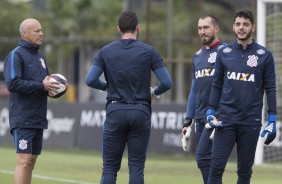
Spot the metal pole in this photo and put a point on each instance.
(261, 40)
(169, 43)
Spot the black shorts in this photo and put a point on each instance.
(28, 140)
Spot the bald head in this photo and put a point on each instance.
(26, 24)
(31, 31)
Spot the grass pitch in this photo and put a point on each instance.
(84, 167)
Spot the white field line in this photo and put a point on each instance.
(50, 178)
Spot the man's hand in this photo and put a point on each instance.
(211, 120)
(270, 129)
(50, 87)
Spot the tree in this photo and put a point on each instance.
(10, 19)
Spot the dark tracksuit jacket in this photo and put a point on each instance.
(128, 81)
(203, 71)
(24, 70)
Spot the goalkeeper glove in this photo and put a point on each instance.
(211, 120)
(212, 134)
(186, 132)
(186, 139)
(186, 123)
(153, 95)
(270, 129)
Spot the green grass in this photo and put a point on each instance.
(86, 166)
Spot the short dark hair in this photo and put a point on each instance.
(247, 14)
(127, 22)
(214, 19)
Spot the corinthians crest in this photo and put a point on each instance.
(212, 57)
(252, 61)
(23, 144)
(42, 63)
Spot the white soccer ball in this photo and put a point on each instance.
(63, 84)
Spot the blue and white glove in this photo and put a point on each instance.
(270, 129)
(211, 120)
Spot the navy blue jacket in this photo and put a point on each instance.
(203, 71)
(240, 79)
(127, 66)
(24, 70)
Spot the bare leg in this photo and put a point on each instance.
(24, 167)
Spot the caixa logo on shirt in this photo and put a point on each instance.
(241, 76)
(208, 72)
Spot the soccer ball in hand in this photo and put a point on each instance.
(63, 84)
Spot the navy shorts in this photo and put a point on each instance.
(28, 140)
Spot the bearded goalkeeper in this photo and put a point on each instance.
(203, 70)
